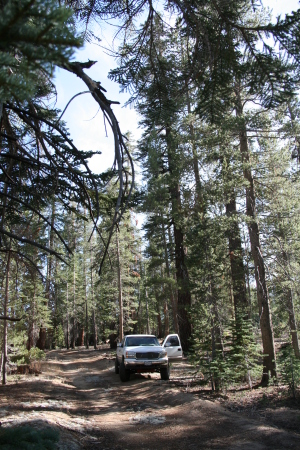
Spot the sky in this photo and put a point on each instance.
(85, 122)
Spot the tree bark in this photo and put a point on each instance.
(290, 305)
(5, 308)
(184, 294)
(43, 331)
(95, 330)
(216, 337)
(74, 307)
(269, 358)
(147, 314)
(172, 296)
(293, 323)
(236, 262)
(121, 326)
(67, 318)
(159, 324)
(85, 292)
(30, 341)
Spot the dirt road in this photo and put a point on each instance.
(79, 394)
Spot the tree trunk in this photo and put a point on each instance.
(41, 343)
(159, 324)
(30, 341)
(199, 204)
(236, 266)
(147, 315)
(5, 308)
(184, 294)
(166, 315)
(74, 307)
(172, 296)
(293, 323)
(85, 292)
(248, 279)
(95, 330)
(68, 326)
(80, 335)
(121, 330)
(269, 358)
(290, 305)
(216, 338)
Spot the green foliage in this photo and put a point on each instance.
(236, 360)
(28, 438)
(205, 355)
(34, 36)
(289, 368)
(59, 337)
(243, 357)
(25, 356)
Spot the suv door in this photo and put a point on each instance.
(173, 347)
(120, 346)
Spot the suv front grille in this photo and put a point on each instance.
(147, 355)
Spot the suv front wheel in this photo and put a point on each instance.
(116, 366)
(165, 373)
(124, 373)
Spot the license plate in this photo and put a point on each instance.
(148, 363)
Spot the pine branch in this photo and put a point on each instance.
(35, 244)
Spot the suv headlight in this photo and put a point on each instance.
(163, 354)
(130, 355)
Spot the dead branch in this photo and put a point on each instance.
(12, 319)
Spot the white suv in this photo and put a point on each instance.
(139, 353)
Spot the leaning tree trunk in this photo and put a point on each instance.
(269, 358)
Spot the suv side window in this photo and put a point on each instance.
(173, 341)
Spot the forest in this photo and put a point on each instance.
(217, 259)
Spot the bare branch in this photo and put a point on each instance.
(12, 319)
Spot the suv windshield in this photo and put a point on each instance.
(135, 341)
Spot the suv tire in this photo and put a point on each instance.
(165, 373)
(116, 366)
(124, 373)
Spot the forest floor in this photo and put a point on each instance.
(78, 394)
